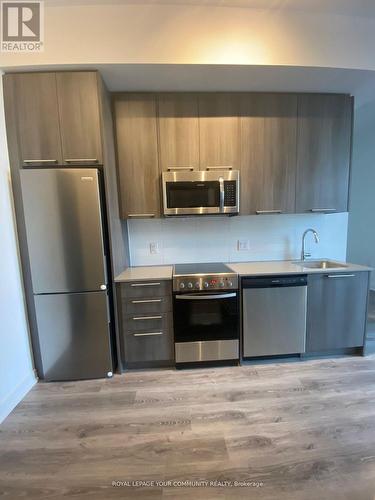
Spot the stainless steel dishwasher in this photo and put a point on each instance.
(274, 315)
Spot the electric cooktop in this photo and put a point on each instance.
(201, 268)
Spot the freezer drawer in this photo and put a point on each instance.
(274, 321)
(64, 229)
(74, 335)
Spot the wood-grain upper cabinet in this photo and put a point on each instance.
(79, 116)
(137, 150)
(323, 156)
(178, 131)
(219, 131)
(34, 97)
(268, 153)
(336, 311)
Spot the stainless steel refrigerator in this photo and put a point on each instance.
(67, 251)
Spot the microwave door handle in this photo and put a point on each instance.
(222, 194)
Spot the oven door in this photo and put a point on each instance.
(206, 328)
(206, 316)
(193, 197)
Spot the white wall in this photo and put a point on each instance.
(16, 370)
(275, 33)
(210, 239)
(361, 232)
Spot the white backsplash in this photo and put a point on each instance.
(215, 239)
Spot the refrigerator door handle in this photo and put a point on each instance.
(108, 310)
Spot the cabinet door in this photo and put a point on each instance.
(323, 155)
(268, 153)
(35, 101)
(138, 167)
(219, 131)
(178, 131)
(79, 117)
(336, 311)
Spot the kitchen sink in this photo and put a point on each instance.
(319, 264)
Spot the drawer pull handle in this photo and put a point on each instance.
(265, 212)
(148, 301)
(187, 167)
(140, 318)
(319, 210)
(27, 162)
(141, 215)
(148, 334)
(340, 275)
(81, 160)
(145, 284)
(219, 167)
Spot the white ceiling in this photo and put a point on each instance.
(361, 8)
(183, 77)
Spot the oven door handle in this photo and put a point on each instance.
(206, 297)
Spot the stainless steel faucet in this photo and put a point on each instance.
(304, 255)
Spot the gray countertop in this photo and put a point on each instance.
(145, 273)
(254, 268)
(277, 267)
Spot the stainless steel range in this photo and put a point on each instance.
(206, 315)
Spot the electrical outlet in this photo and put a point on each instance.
(154, 247)
(243, 245)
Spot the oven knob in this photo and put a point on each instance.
(190, 284)
(182, 285)
(197, 284)
(221, 284)
(230, 283)
(206, 284)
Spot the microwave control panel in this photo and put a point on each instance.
(230, 195)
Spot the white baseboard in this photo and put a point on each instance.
(10, 401)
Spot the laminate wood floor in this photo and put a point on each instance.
(301, 430)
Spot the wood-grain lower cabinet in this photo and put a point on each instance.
(336, 311)
(137, 155)
(79, 117)
(219, 131)
(147, 323)
(178, 131)
(33, 99)
(268, 153)
(323, 154)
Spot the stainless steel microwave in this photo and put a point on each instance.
(201, 192)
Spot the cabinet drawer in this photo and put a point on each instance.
(146, 305)
(156, 346)
(146, 323)
(146, 289)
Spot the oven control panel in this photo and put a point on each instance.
(206, 282)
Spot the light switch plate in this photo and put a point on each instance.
(154, 247)
(243, 245)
